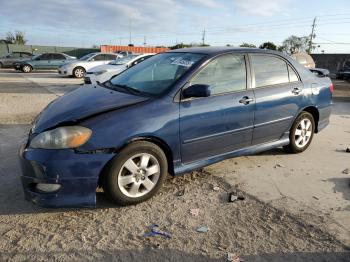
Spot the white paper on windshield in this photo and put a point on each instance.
(182, 62)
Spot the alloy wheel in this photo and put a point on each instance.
(79, 73)
(139, 175)
(26, 69)
(303, 133)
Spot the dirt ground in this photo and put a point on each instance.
(295, 207)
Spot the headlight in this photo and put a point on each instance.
(100, 72)
(62, 137)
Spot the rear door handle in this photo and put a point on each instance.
(296, 90)
(246, 100)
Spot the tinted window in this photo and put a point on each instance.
(225, 74)
(99, 58)
(45, 57)
(140, 60)
(111, 57)
(57, 57)
(292, 75)
(25, 55)
(15, 55)
(269, 70)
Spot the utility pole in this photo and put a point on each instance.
(203, 37)
(129, 30)
(312, 36)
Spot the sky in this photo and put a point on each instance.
(83, 23)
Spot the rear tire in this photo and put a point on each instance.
(79, 72)
(1, 65)
(135, 174)
(26, 68)
(301, 133)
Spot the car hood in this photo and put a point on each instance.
(106, 67)
(86, 101)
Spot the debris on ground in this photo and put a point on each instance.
(233, 257)
(180, 193)
(202, 229)
(278, 165)
(315, 197)
(234, 197)
(347, 150)
(346, 171)
(216, 188)
(154, 232)
(194, 211)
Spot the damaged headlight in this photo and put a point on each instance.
(62, 137)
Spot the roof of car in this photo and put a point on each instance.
(222, 49)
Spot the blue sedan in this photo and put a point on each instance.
(176, 112)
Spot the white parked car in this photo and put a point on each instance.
(103, 73)
(79, 67)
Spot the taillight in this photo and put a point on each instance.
(331, 88)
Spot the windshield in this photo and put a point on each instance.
(156, 74)
(123, 61)
(86, 57)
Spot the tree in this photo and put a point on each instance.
(248, 45)
(268, 45)
(17, 38)
(95, 46)
(295, 44)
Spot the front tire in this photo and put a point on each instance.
(301, 133)
(27, 69)
(135, 174)
(79, 72)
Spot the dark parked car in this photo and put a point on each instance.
(11, 58)
(175, 112)
(344, 72)
(43, 61)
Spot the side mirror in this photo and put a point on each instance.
(197, 90)
(37, 59)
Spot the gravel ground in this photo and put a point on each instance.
(254, 230)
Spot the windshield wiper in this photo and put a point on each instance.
(121, 88)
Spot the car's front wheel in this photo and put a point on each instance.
(301, 133)
(79, 72)
(135, 174)
(27, 68)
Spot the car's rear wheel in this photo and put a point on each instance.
(27, 68)
(135, 174)
(1, 65)
(301, 133)
(79, 72)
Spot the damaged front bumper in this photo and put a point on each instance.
(68, 178)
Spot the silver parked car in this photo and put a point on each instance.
(9, 59)
(79, 67)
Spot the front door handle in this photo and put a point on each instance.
(246, 100)
(296, 90)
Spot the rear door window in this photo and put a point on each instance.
(269, 70)
(292, 75)
(45, 57)
(58, 57)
